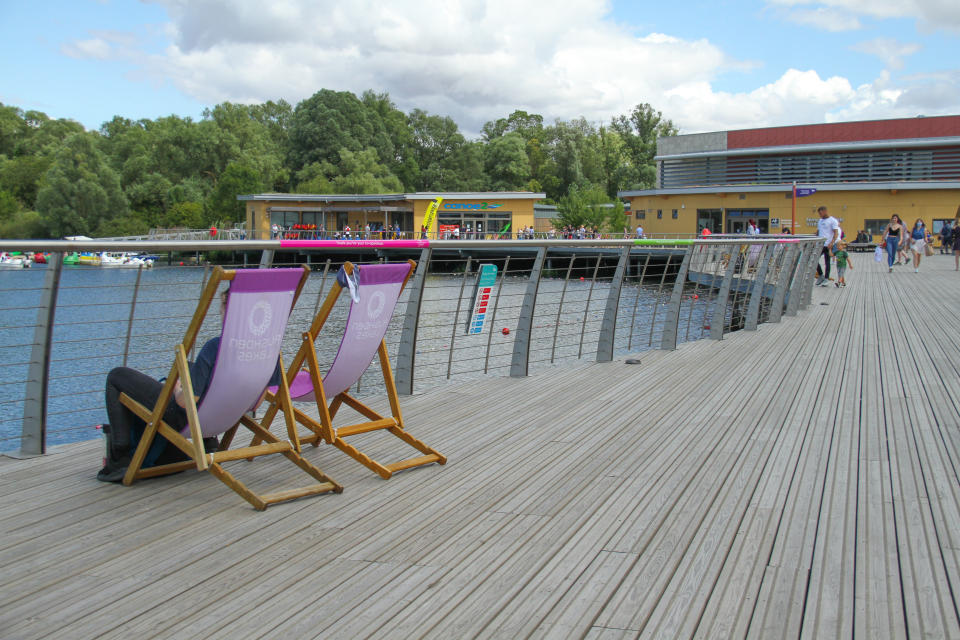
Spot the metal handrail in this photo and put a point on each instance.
(585, 298)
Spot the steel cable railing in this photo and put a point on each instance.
(106, 318)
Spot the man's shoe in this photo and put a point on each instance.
(820, 280)
(113, 471)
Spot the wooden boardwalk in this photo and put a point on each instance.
(797, 481)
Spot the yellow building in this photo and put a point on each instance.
(863, 172)
(479, 214)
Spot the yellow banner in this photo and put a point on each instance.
(431, 215)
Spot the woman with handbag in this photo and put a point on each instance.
(893, 238)
(919, 238)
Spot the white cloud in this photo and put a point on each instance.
(932, 14)
(826, 19)
(95, 48)
(891, 51)
(478, 60)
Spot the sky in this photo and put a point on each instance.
(707, 66)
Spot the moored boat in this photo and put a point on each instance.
(14, 260)
(129, 260)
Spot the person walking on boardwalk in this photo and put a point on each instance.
(918, 241)
(892, 238)
(955, 241)
(843, 261)
(945, 232)
(829, 229)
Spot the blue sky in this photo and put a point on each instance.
(706, 65)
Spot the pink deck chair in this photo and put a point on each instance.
(255, 318)
(374, 291)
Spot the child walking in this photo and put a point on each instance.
(843, 260)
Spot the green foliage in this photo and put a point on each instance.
(639, 132)
(591, 207)
(506, 162)
(8, 205)
(25, 225)
(361, 173)
(129, 225)
(175, 171)
(185, 215)
(80, 189)
(21, 176)
(237, 179)
(313, 178)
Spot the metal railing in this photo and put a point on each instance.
(564, 301)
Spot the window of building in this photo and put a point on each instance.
(743, 196)
(641, 214)
(659, 214)
(674, 214)
(876, 227)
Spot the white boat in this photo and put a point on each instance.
(8, 261)
(129, 260)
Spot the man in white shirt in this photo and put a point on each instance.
(829, 229)
(639, 231)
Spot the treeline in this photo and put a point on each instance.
(57, 179)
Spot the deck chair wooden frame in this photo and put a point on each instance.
(305, 364)
(193, 447)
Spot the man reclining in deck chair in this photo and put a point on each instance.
(125, 428)
(257, 308)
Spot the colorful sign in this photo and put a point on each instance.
(332, 244)
(482, 298)
(471, 205)
(807, 191)
(431, 214)
(446, 231)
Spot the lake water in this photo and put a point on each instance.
(94, 307)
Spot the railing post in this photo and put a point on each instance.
(787, 266)
(798, 279)
(33, 440)
(759, 287)
(266, 259)
(810, 275)
(671, 322)
(520, 363)
(133, 309)
(456, 316)
(608, 326)
(719, 314)
(406, 352)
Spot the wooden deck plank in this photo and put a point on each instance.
(800, 480)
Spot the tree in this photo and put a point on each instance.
(21, 176)
(589, 206)
(436, 141)
(528, 125)
(24, 224)
(313, 178)
(237, 179)
(186, 215)
(329, 121)
(639, 132)
(506, 162)
(361, 173)
(80, 189)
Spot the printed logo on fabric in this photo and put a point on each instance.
(260, 317)
(375, 305)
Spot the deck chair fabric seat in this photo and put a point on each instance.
(255, 319)
(374, 291)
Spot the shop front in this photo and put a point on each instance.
(481, 215)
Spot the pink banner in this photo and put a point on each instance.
(332, 244)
